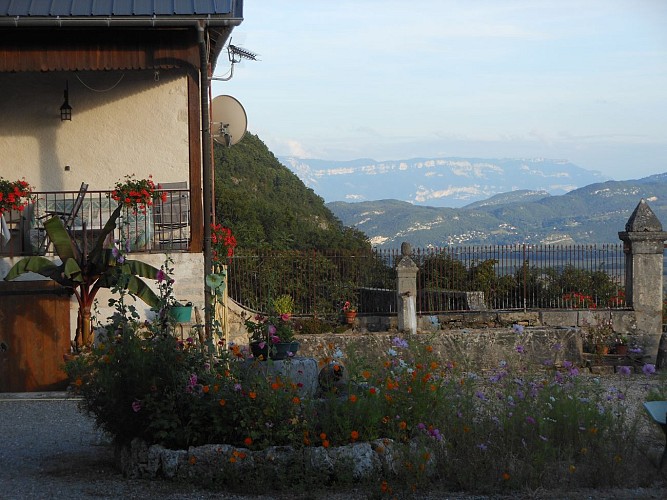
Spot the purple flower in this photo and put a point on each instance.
(648, 369)
(399, 342)
(136, 406)
(624, 370)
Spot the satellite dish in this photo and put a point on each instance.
(228, 120)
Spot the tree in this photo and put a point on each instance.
(85, 273)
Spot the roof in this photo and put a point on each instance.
(116, 8)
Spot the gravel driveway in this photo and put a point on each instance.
(49, 450)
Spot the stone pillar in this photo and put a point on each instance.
(643, 244)
(406, 288)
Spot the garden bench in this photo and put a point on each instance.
(657, 410)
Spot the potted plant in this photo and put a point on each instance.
(14, 195)
(137, 194)
(621, 345)
(283, 305)
(350, 311)
(600, 337)
(271, 337)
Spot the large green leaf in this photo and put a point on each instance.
(99, 253)
(39, 265)
(64, 244)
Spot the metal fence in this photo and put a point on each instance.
(499, 277)
(163, 227)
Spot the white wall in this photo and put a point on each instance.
(122, 123)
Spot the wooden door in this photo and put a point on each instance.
(34, 335)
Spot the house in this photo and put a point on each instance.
(94, 90)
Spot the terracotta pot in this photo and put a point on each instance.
(621, 349)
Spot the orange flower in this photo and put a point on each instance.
(247, 441)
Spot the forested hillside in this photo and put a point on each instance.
(266, 205)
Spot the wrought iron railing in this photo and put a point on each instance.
(164, 227)
(449, 279)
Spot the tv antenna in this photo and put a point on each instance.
(235, 54)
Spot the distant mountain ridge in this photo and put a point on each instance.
(591, 214)
(440, 182)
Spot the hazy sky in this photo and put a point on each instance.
(582, 80)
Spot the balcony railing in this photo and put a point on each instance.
(165, 227)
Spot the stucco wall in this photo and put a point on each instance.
(122, 123)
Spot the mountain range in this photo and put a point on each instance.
(590, 214)
(437, 182)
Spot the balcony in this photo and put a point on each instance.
(164, 228)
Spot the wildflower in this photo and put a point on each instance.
(136, 406)
(399, 342)
(648, 369)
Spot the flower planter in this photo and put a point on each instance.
(278, 351)
(181, 314)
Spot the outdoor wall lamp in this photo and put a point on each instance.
(66, 109)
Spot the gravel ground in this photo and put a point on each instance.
(49, 450)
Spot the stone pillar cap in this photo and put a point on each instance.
(643, 220)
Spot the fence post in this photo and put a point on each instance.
(643, 245)
(406, 288)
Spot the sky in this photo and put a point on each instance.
(581, 80)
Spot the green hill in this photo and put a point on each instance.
(267, 206)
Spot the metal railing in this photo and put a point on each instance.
(497, 277)
(163, 227)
